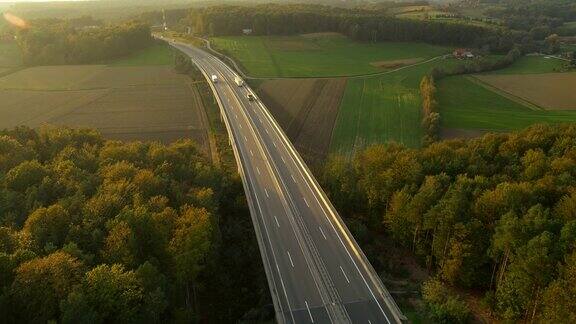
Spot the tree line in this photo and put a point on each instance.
(431, 117)
(96, 231)
(54, 42)
(358, 24)
(495, 214)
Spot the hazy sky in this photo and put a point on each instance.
(4, 1)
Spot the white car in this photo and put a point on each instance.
(214, 78)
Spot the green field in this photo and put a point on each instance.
(464, 104)
(532, 65)
(314, 56)
(381, 109)
(9, 55)
(154, 55)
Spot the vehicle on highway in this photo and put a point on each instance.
(239, 81)
(214, 78)
(250, 97)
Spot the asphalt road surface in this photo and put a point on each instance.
(316, 271)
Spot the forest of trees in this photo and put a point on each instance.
(362, 24)
(358, 24)
(95, 231)
(539, 17)
(53, 42)
(495, 214)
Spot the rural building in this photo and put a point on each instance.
(463, 53)
(247, 31)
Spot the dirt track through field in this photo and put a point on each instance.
(306, 110)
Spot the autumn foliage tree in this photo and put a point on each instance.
(495, 214)
(96, 231)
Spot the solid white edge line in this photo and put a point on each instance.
(266, 190)
(290, 257)
(309, 312)
(264, 150)
(322, 231)
(344, 273)
(276, 218)
(326, 207)
(237, 153)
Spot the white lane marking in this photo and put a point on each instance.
(276, 218)
(290, 257)
(293, 179)
(251, 153)
(245, 138)
(258, 170)
(369, 322)
(322, 231)
(344, 273)
(266, 190)
(266, 129)
(283, 159)
(309, 312)
(318, 194)
(274, 144)
(306, 201)
(240, 126)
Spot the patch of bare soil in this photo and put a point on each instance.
(456, 133)
(126, 103)
(318, 35)
(394, 64)
(552, 91)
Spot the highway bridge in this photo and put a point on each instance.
(316, 271)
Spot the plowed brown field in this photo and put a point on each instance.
(307, 110)
(552, 91)
(127, 103)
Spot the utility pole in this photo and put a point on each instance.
(164, 19)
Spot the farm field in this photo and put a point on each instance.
(466, 105)
(125, 103)
(76, 77)
(532, 65)
(154, 55)
(381, 109)
(66, 77)
(319, 55)
(551, 91)
(307, 110)
(9, 55)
